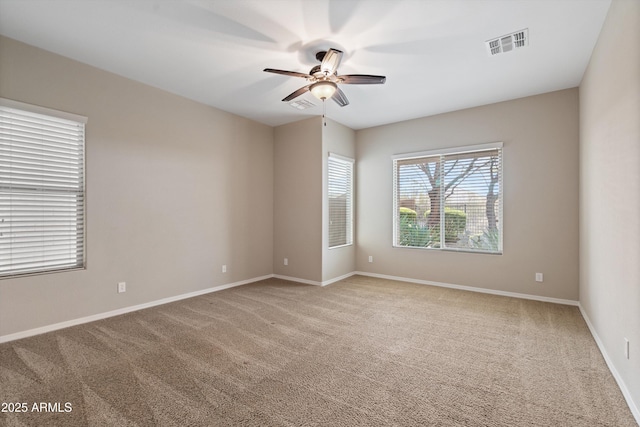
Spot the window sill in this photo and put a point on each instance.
(340, 246)
(41, 273)
(466, 251)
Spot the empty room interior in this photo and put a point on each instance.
(320, 212)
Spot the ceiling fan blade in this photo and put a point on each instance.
(297, 93)
(362, 79)
(331, 61)
(340, 98)
(287, 73)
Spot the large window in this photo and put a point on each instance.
(41, 190)
(449, 199)
(340, 190)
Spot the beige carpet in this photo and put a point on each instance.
(361, 352)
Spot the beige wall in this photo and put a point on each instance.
(336, 262)
(298, 200)
(610, 191)
(175, 189)
(300, 191)
(540, 136)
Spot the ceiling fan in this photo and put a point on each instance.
(324, 78)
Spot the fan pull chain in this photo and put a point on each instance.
(324, 111)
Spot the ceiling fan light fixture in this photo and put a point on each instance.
(323, 89)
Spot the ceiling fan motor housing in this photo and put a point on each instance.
(314, 70)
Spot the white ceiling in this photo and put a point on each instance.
(213, 51)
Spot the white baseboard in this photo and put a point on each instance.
(471, 288)
(337, 279)
(313, 282)
(621, 384)
(298, 280)
(118, 312)
(112, 313)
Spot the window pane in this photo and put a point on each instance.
(41, 192)
(472, 201)
(340, 202)
(418, 201)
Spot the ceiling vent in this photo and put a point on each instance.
(302, 104)
(508, 43)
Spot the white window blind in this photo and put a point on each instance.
(340, 192)
(458, 191)
(41, 190)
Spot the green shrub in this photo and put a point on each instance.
(415, 235)
(489, 240)
(455, 222)
(408, 214)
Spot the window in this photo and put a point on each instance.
(340, 190)
(41, 190)
(455, 190)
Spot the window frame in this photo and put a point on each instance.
(443, 152)
(349, 235)
(81, 122)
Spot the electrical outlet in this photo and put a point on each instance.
(539, 277)
(626, 348)
(370, 258)
(286, 261)
(122, 287)
(224, 268)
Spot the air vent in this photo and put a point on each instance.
(302, 104)
(508, 43)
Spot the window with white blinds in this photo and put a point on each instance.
(340, 193)
(42, 201)
(449, 199)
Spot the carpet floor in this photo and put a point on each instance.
(360, 352)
